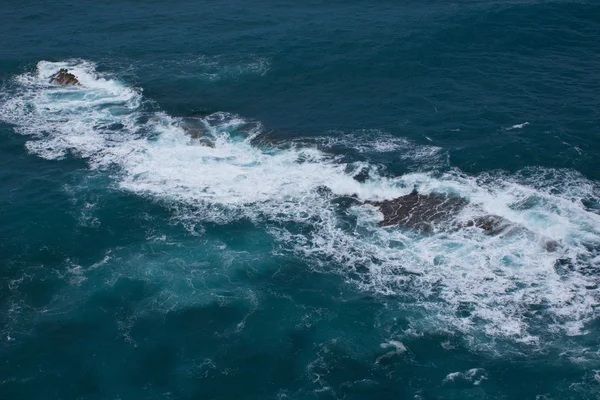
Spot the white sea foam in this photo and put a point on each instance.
(541, 274)
(517, 126)
(210, 68)
(375, 141)
(474, 375)
(397, 348)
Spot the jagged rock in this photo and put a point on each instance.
(423, 211)
(418, 211)
(64, 77)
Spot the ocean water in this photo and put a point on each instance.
(137, 262)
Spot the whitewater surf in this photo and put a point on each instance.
(489, 287)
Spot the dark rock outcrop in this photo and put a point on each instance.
(429, 212)
(418, 211)
(423, 211)
(64, 77)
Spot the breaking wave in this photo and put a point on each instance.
(210, 169)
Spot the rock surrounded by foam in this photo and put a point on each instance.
(64, 77)
(423, 212)
(418, 211)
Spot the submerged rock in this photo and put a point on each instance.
(362, 176)
(206, 142)
(194, 127)
(64, 77)
(551, 245)
(492, 224)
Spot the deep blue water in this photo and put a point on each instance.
(138, 263)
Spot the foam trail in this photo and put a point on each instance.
(517, 126)
(508, 286)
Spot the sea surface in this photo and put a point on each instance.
(189, 221)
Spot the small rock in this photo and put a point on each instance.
(64, 77)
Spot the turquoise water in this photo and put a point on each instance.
(138, 263)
